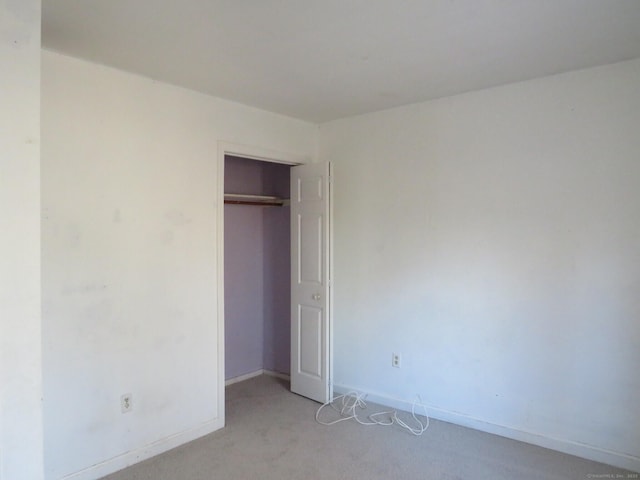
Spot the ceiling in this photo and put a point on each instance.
(320, 60)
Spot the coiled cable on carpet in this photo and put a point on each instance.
(347, 404)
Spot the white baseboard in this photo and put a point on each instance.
(135, 456)
(282, 376)
(242, 378)
(257, 373)
(590, 452)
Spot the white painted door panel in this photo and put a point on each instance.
(310, 286)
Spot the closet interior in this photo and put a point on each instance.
(257, 264)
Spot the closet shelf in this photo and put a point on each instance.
(262, 200)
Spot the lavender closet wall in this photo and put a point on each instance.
(257, 270)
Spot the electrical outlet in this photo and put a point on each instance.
(396, 360)
(126, 403)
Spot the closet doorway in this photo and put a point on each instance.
(258, 180)
(257, 268)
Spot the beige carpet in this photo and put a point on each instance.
(271, 434)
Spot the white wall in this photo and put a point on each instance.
(129, 193)
(20, 352)
(493, 240)
(490, 238)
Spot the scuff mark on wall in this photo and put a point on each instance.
(84, 289)
(15, 28)
(74, 235)
(177, 218)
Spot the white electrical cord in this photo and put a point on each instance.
(352, 400)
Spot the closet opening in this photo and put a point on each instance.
(257, 269)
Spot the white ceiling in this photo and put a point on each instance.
(320, 60)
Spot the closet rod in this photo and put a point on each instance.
(262, 204)
(243, 199)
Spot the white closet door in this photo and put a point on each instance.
(310, 282)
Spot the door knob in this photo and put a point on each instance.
(316, 296)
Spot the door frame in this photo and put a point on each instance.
(253, 153)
